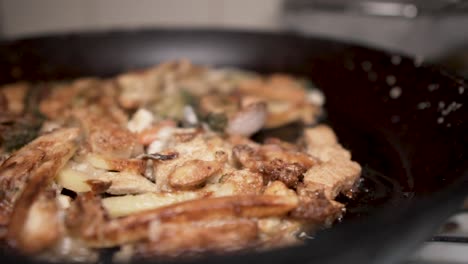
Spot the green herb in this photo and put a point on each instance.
(20, 133)
(188, 98)
(217, 121)
(23, 129)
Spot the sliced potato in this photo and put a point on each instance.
(73, 180)
(121, 182)
(115, 164)
(118, 206)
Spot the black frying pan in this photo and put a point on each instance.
(415, 160)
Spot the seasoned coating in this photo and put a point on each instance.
(137, 166)
(105, 137)
(193, 173)
(337, 172)
(23, 178)
(87, 220)
(316, 208)
(28, 170)
(274, 162)
(288, 173)
(172, 240)
(158, 163)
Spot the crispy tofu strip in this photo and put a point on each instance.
(106, 137)
(335, 176)
(22, 167)
(172, 240)
(337, 172)
(98, 231)
(27, 173)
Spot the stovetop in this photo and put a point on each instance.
(449, 245)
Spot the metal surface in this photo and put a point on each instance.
(412, 144)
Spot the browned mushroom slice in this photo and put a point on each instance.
(193, 173)
(203, 148)
(172, 240)
(28, 172)
(98, 231)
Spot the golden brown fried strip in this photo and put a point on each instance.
(21, 168)
(335, 176)
(99, 231)
(337, 172)
(28, 172)
(41, 227)
(106, 137)
(172, 240)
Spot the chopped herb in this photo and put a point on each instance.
(216, 121)
(19, 134)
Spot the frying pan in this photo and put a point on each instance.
(394, 114)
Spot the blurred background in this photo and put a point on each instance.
(429, 30)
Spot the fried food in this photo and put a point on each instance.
(159, 163)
